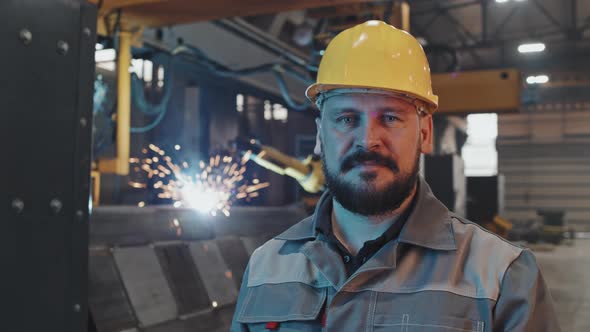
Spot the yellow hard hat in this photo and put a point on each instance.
(375, 55)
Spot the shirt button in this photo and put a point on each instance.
(346, 259)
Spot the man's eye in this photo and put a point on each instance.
(345, 119)
(390, 118)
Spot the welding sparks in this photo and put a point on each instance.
(212, 188)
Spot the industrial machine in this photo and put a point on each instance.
(307, 172)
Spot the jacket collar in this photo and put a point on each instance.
(429, 224)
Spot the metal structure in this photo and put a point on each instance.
(486, 33)
(159, 269)
(46, 90)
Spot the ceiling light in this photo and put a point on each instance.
(531, 48)
(540, 79)
(501, 1)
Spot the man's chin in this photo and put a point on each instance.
(368, 177)
(366, 185)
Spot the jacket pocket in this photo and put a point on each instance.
(425, 323)
(294, 306)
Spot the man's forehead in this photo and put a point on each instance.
(362, 102)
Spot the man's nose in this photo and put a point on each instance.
(368, 135)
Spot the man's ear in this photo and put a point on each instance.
(426, 134)
(318, 146)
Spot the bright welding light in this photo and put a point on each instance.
(201, 200)
(531, 48)
(540, 79)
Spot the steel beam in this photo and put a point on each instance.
(463, 30)
(547, 14)
(461, 27)
(484, 20)
(421, 30)
(158, 13)
(502, 25)
(478, 91)
(449, 7)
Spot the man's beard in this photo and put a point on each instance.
(366, 199)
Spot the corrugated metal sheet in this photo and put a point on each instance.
(146, 285)
(544, 153)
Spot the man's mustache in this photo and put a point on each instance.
(361, 156)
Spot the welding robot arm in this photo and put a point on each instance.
(307, 172)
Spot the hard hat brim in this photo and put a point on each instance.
(314, 90)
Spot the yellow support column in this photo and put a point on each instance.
(120, 165)
(401, 15)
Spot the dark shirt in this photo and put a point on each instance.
(351, 262)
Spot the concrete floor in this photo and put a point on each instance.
(566, 269)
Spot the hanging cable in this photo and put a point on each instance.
(285, 93)
(276, 69)
(147, 108)
(194, 54)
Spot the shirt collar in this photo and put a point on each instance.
(429, 224)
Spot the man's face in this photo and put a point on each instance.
(370, 148)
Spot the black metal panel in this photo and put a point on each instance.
(45, 90)
(217, 277)
(235, 256)
(482, 198)
(439, 173)
(107, 298)
(131, 225)
(146, 285)
(185, 282)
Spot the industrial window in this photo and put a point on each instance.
(105, 58)
(275, 112)
(479, 152)
(143, 69)
(239, 103)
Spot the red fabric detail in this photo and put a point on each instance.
(324, 318)
(272, 325)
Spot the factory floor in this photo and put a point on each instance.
(566, 269)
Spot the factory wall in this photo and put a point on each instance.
(544, 153)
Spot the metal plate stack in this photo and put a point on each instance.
(160, 269)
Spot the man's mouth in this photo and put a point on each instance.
(368, 164)
(367, 160)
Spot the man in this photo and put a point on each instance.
(381, 253)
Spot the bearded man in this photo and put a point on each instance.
(380, 252)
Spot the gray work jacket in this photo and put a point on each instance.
(442, 273)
